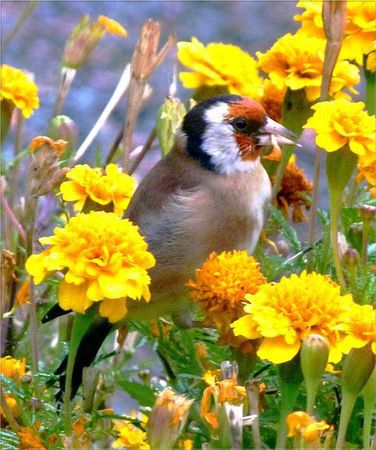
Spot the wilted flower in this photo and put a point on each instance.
(293, 193)
(225, 391)
(287, 312)
(296, 62)
(19, 89)
(85, 37)
(114, 187)
(301, 424)
(359, 37)
(219, 64)
(167, 419)
(106, 261)
(131, 436)
(341, 122)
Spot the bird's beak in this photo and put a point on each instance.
(273, 132)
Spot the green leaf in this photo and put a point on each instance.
(143, 394)
(286, 229)
(9, 440)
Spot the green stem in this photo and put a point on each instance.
(365, 237)
(369, 395)
(348, 402)
(370, 87)
(335, 203)
(81, 324)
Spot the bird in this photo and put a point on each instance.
(210, 193)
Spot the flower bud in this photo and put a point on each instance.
(357, 368)
(350, 259)
(169, 117)
(314, 355)
(63, 127)
(82, 42)
(167, 419)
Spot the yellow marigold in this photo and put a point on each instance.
(295, 187)
(341, 122)
(359, 36)
(105, 258)
(367, 170)
(112, 187)
(225, 391)
(131, 436)
(296, 62)
(29, 440)
(299, 423)
(19, 89)
(219, 64)
(285, 313)
(12, 367)
(360, 328)
(222, 283)
(112, 27)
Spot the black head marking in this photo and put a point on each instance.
(194, 126)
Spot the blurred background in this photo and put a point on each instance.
(38, 47)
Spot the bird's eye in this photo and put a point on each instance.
(240, 124)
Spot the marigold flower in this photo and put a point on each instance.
(285, 313)
(112, 187)
(341, 122)
(359, 324)
(130, 435)
(13, 367)
(359, 36)
(296, 62)
(29, 440)
(167, 419)
(225, 391)
(367, 171)
(219, 64)
(299, 423)
(106, 261)
(295, 187)
(19, 89)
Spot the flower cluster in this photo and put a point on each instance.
(296, 62)
(106, 261)
(285, 313)
(219, 64)
(341, 122)
(360, 26)
(19, 89)
(130, 435)
(113, 188)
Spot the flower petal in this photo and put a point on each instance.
(277, 351)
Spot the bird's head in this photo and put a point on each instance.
(226, 133)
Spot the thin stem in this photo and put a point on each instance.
(369, 395)
(289, 393)
(18, 144)
(34, 329)
(114, 147)
(145, 149)
(66, 78)
(348, 402)
(11, 216)
(334, 221)
(23, 16)
(119, 91)
(314, 204)
(365, 238)
(252, 388)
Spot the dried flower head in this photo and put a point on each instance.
(130, 435)
(359, 37)
(287, 312)
(106, 261)
(167, 419)
(342, 122)
(301, 424)
(17, 88)
(296, 62)
(295, 187)
(219, 64)
(111, 188)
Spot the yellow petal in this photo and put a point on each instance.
(35, 267)
(277, 351)
(246, 326)
(113, 309)
(74, 297)
(112, 27)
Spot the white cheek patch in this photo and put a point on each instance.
(220, 144)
